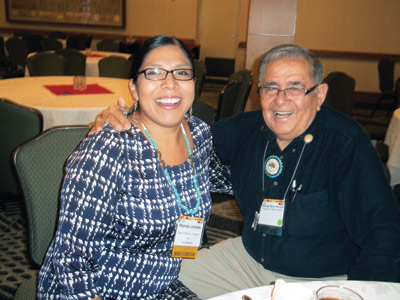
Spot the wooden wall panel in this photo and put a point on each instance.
(271, 23)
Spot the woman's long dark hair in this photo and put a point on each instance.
(153, 43)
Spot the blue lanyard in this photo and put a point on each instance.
(171, 184)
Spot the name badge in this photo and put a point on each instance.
(188, 237)
(271, 212)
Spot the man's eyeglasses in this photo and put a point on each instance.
(293, 92)
(161, 74)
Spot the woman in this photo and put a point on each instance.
(125, 193)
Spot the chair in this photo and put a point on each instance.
(4, 63)
(21, 33)
(203, 111)
(17, 52)
(115, 66)
(340, 92)
(33, 41)
(386, 79)
(18, 124)
(130, 48)
(75, 62)
(233, 98)
(46, 64)
(107, 45)
(57, 35)
(50, 44)
(40, 166)
(80, 41)
(200, 74)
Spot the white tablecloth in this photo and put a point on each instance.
(369, 290)
(392, 139)
(64, 109)
(92, 60)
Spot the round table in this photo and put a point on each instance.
(67, 108)
(392, 139)
(369, 290)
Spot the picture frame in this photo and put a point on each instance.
(100, 13)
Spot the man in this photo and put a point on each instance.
(315, 199)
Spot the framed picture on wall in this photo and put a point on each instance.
(104, 13)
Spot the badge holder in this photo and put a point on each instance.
(270, 218)
(188, 237)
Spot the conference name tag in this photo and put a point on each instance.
(188, 237)
(271, 212)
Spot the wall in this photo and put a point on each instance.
(144, 18)
(357, 25)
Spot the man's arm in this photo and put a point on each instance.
(115, 116)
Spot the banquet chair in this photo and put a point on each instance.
(386, 79)
(203, 111)
(40, 168)
(107, 45)
(46, 64)
(21, 33)
(50, 44)
(57, 35)
(33, 42)
(17, 52)
(200, 74)
(79, 41)
(4, 63)
(75, 62)
(340, 92)
(18, 124)
(232, 99)
(115, 66)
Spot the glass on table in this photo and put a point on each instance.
(79, 83)
(337, 292)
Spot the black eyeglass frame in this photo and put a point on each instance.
(306, 92)
(166, 74)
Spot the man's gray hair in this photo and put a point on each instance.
(292, 51)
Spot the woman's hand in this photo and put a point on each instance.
(115, 116)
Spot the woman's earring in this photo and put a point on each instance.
(135, 108)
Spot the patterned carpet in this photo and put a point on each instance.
(225, 222)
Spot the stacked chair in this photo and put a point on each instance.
(40, 167)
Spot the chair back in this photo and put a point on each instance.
(33, 41)
(80, 41)
(17, 52)
(386, 74)
(204, 112)
(46, 64)
(115, 66)
(40, 168)
(50, 44)
(340, 92)
(233, 98)
(18, 124)
(75, 61)
(200, 74)
(107, 45)
(57, 35)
